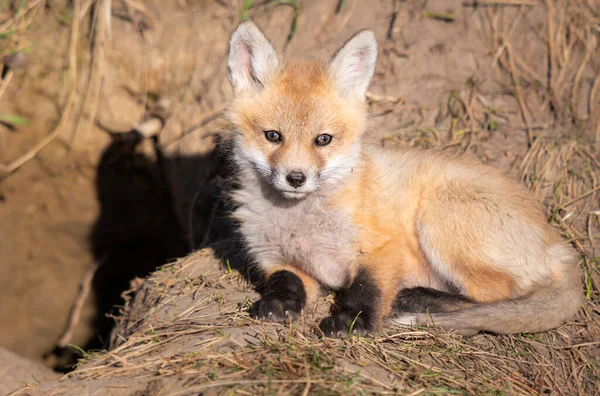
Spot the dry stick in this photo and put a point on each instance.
(142, 9)
(107, 18)
(594, 109)
(100, 43)
(6, 25)
(138, 31)
(28, 20)
(391, 99)
(574, 100)
(348, 16)
(327, 23)
(592, 96)
(508, 36)
(4, 83)
(390, 30)
(306, 390)
(589, 230)
(579, 197)
(508, 2)
(207, 118)
(200, 388)
(563, 63)
(84, 290)
(7, 169)
(519, 94)
(85, 8)
(526, 68)
(550, 54)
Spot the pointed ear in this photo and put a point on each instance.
(252, 59)
(353, 65)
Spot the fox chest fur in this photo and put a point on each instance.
(308, 234)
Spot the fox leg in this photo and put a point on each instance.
(286, 291)
(359, 308)
(373, 290)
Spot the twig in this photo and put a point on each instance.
(97, 75)
(550, 58)
(577, 345)
(4, 82)
(508, 37)
(590, 156)
(328, 22)
(377, 98)
(108, 17)
(594, 108)
(206, 119)
(390, 31)
(347, 17)
(31, 6)
(501, 3)
(520, 62)
(574, 96)
(578, 198)
(519, 94)
(306, 390)
(139, 32)
(589, 230)
(84, 290)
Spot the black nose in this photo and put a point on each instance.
(296, 179)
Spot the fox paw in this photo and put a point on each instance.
(345, 325)
(277, 310)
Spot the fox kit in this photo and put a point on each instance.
(409, 235)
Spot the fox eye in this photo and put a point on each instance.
(323, 140)
(273, 136)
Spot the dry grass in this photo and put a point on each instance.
(20, 18)
(188, 331)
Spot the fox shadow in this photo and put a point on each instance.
(142, 224)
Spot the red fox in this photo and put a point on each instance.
(409, 235)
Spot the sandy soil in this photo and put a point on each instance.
(90, 200)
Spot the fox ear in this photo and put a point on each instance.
(252, 59)
(353, 65)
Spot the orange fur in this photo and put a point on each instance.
(414, 218)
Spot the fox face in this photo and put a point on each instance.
(298, 124)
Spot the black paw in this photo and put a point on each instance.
(283, 298)
(345, 325)
(277, 310)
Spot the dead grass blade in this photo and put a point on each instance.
(8, 169)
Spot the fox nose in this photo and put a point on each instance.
(295, 179)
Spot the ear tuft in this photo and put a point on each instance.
(252, 59)
(353, 65)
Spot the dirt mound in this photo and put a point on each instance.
(187, 331)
